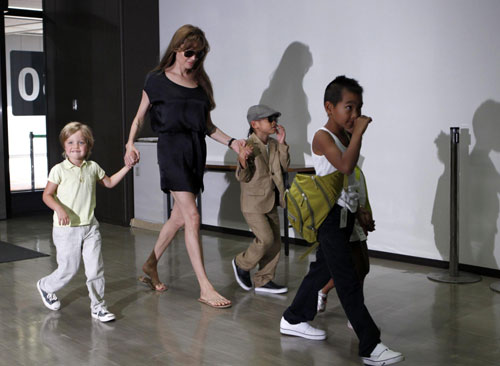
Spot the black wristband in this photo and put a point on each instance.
(230, 142)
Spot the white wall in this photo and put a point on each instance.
(425, 66)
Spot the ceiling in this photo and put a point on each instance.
(21, 25)
(26, 4)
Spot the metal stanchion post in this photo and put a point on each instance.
(32, 160)
(453, 275)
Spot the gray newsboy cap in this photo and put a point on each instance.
(260, 111)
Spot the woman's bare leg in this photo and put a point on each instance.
(167, 233)
(187, 205)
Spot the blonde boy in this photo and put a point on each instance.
(70, 192)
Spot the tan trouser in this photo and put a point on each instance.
(265, 249)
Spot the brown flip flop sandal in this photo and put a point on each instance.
(146, 280)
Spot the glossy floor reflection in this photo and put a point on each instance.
(431, 323)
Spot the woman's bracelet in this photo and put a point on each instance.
(230, 142)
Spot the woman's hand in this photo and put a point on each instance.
(132, 155)
(236, 145)
(245, 152)
(280, 134)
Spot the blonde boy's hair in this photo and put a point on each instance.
(72, 128)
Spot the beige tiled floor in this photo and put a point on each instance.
(431, 323)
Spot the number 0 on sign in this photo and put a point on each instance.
(27, 71)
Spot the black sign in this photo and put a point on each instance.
(27, 82)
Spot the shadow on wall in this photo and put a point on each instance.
(479, 187)
(482, 182)
(286, 94)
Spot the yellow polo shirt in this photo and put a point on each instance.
(76, 190)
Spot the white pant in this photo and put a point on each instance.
(72, 243)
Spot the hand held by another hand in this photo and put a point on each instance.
(132, 156)
(236, 145)
(245, 152)
(365, 219)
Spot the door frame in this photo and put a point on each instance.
(22, 202)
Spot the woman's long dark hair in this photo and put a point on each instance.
(193, 38)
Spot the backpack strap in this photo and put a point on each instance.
(337, 142)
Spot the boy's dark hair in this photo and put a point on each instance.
(333, 91)
(250, 131)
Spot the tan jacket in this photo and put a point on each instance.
(262, 173)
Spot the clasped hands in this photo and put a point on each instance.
(132, 156)
(365, 219)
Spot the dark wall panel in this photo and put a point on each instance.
(140, 55)
(4, 152)
(94, 58)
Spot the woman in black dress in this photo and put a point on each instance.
(178, 95)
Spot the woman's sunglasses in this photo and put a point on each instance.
(191, 53)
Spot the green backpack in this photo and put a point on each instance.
(311, 197)
(309, 200)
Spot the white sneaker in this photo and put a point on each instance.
(303, 330)
(321, 301)
(272, 288)
(382, 355)
(103, 315)
(49, 300)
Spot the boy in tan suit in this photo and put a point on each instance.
(260, 173)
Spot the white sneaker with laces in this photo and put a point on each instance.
(303, 330)
(103, 315)
(382, 355)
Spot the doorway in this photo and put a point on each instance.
(25, 105)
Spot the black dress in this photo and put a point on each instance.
(179, 115)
